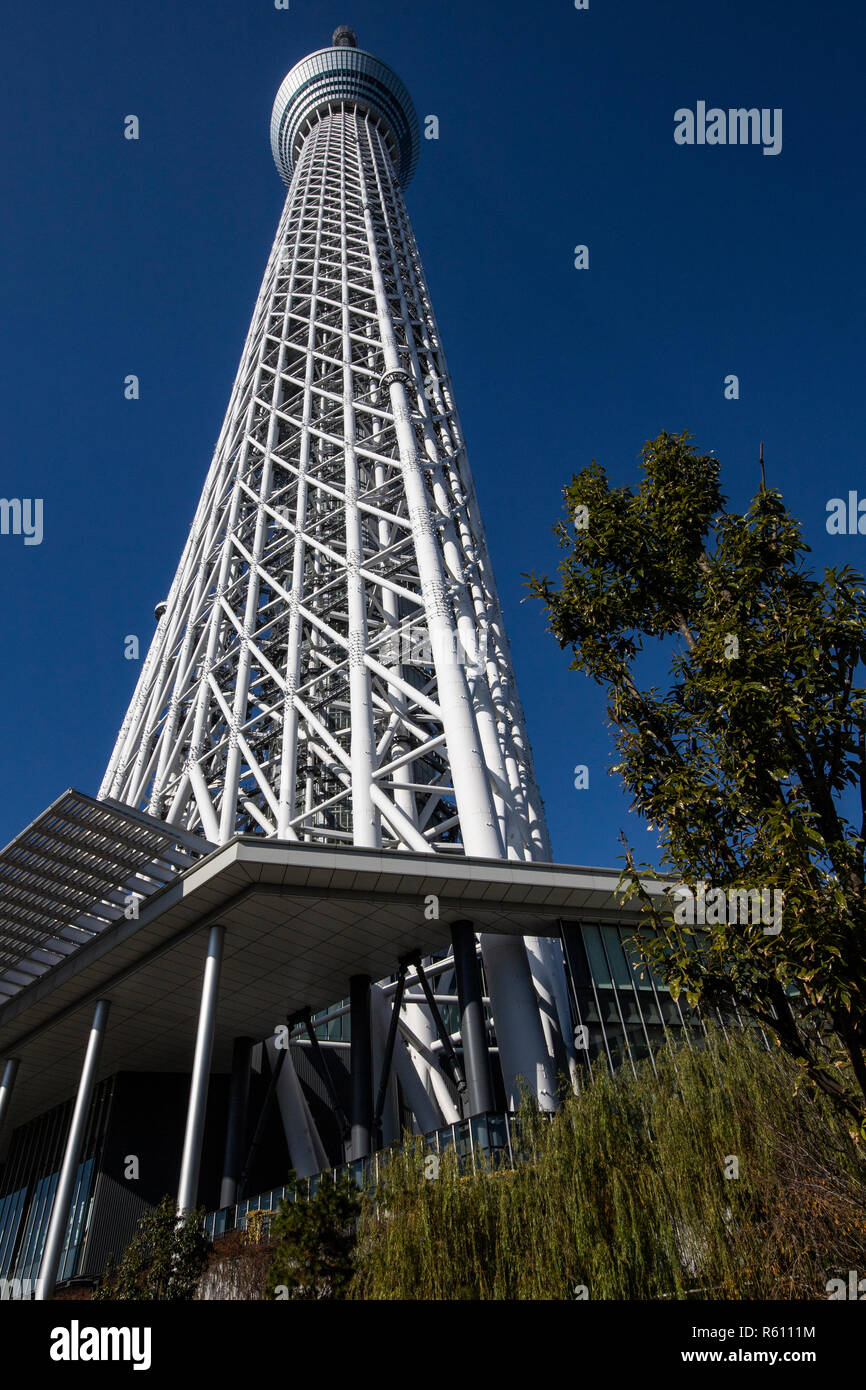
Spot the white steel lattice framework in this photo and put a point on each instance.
(331, 664)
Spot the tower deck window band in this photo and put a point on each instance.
(343, 74)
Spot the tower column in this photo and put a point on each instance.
(47, 1280)
(196, 1110)
(236, 1126)
(478, 817)
(361, 1065)
(476, 1059)
(7, 1086)
(522, 1047)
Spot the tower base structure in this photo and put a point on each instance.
(225, 1036)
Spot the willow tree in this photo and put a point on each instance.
(751, 763)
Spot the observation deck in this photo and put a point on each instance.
(343, 72)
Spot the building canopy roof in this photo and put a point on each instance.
(300, 920)
(75, 871)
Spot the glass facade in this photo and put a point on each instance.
(623, 1010)
(29, 1182)
(20, 1259)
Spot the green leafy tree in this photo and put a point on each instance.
(752, 764)
(164, 1260)
(315, 1255)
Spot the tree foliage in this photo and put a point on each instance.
(701, 1175)
(315, 1255)
(752, 764)
(164, 1260)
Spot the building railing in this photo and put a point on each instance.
(493, 1137)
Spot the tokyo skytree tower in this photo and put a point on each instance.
(330, 665)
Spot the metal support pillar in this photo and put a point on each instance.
(48, 1268)
(574, 954)
(419, 1032)
(7, 1085)
(307, 1153)
(361, 1065)
(449, 1060)
(519, 1034)
(276, 1068)
(321, 1064)
(473, 1030)
(427, 1112)
(196, 1110)
(387, 1058)
(236, 1125)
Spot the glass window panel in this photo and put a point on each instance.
(651, 972)
(597, 964)
(587, 1006)
(639, 972)
(11, 1209)
(446, 1138)
(650, 1009)
(615, 954)
(462, 1137)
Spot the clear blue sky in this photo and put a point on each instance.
(556, 129)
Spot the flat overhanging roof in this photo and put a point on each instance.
(299, 919)
(70, 874)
